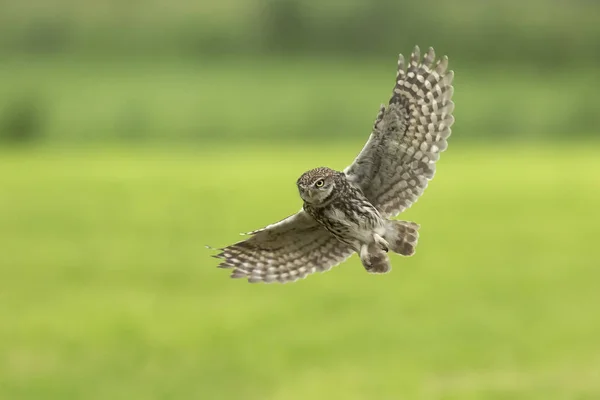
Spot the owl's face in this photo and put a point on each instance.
(316, 185)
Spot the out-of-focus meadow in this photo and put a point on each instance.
(133, 134)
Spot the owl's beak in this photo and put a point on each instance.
(304, 194)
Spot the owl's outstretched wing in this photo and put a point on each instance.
(285, 251)
(396, 164)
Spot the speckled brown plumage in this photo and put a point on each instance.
(346, 212)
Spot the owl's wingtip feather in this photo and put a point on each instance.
(238, 274)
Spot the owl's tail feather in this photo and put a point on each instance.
(375, 259)
(402, 237)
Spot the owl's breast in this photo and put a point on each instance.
(351, 221)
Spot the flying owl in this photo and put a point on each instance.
(350, 211)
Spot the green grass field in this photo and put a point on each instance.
(107, 291)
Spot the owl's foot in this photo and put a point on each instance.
(385, 246)
(374, 259)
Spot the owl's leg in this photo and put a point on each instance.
(385, 246)
(374, 259)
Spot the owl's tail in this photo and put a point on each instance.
(402, 237)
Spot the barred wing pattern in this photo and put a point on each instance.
(285, 251)
(396, 164)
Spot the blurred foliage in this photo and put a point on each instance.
(548, 33)
(22, 119)
(274, 99)
(289, 69)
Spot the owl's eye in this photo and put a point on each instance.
(319, 183)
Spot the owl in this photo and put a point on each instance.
(351, 211)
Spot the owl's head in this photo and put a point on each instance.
(316, 186)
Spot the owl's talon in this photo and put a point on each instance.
(381, 242)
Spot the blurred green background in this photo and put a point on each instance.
(134, 133)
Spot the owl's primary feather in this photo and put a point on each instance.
(346, 212)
